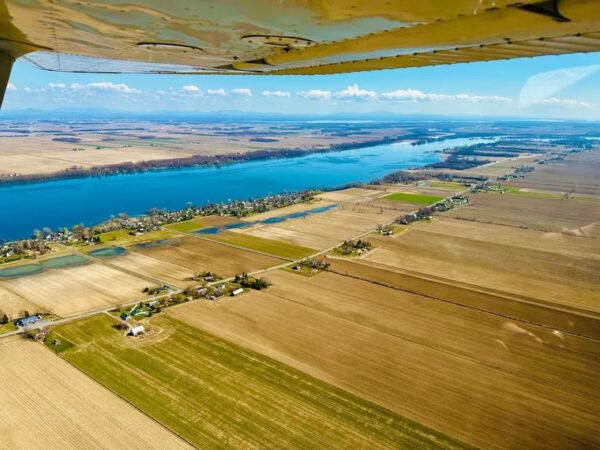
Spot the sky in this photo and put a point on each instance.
(566, 86)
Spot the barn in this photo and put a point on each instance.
(29, 320)
(137, 330)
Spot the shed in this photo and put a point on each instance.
(238, 291)
(137, 330)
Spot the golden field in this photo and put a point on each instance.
(421, 358)
(48, 404)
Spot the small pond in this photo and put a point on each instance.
(107, 252)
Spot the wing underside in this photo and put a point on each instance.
(287, 37)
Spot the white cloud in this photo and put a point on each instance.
(217, 92)
(415, 96)
(77, 87)
(56, 86)
(353, 92)
(275, 94)
(112, 87)
(241, 92)
(481, 98)
(11, 87)
(103, 86)
(190, 88)
(315, 94)
(553, 101)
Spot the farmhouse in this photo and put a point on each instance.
(29, 320)
(136, 331)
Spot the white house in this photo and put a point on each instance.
(137, 330)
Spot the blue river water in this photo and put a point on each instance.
(25, 207)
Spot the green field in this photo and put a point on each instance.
(7, 327)
(270, 246)
(188, 225)
(218, 395)
(123, 237)
(419, 199)
(447, 185)
(60, 347)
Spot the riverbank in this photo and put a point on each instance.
(198, 160)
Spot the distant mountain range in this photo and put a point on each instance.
(234, 115)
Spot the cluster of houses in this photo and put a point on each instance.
(517, 173)
(426, 213)
(212, 292)
(26, 248)
(152, 221)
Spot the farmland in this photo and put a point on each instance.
(576, 173)
(106, 142)
(150, 267)
(404, 351)
(73, 290)
(545, 214)
(537, 274)
(199, 222)
(215, 393)
(419, 199)
(48, 404)
(562, 243)
(446, 185)
(13, 305)
(125, 237)
(328, 228)
(298, 207)
(350, 195)
(200, 255)
(474, 297)
(270, 246)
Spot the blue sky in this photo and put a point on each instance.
(566, 86)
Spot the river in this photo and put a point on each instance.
(25, 207)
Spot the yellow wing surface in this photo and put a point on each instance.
(286, 37)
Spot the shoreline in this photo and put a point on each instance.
(195, 161)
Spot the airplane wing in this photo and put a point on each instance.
(286, 37)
